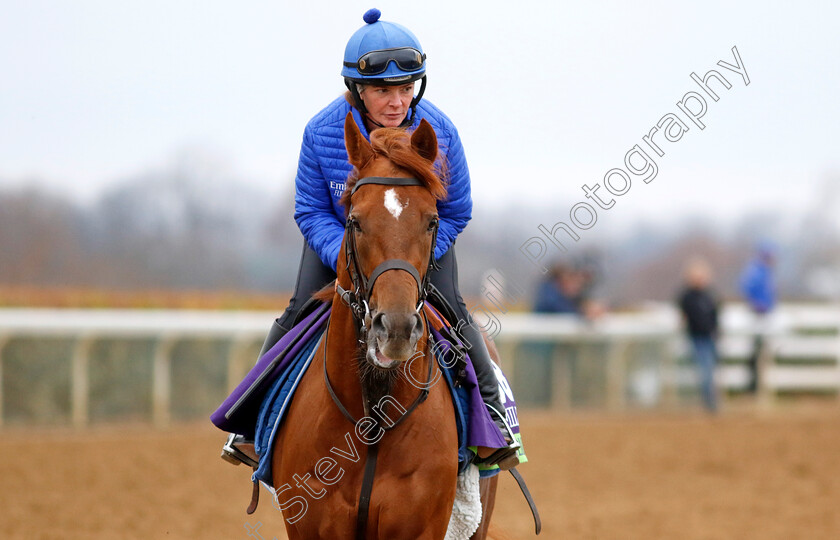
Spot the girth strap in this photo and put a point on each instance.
(367, 488)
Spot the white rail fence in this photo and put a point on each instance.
(800, 352)
(801, 349)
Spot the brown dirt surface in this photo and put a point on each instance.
(739, 476)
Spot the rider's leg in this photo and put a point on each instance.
(312, 276)
(446, 281)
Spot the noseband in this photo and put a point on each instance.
(359, 298)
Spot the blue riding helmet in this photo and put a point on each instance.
(385, 54)
(383, 37)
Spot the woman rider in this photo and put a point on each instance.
(382, 62)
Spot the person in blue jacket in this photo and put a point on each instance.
(560, 291)
(382, 63)
(759, 290)
(757, 281)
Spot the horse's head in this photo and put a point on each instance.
(390, 235)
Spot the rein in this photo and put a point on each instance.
(358, 300)
(421, 397)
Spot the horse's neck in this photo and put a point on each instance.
(354, 381)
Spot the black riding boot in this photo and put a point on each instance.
(445, 280)
(488, 383)
(239, 448)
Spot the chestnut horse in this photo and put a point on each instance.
(365, 452)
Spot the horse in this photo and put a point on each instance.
(368, 449)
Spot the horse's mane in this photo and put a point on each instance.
(395, 144)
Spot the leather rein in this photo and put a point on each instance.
(358, 300)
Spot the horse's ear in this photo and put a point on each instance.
(359, 150)
(424, 141)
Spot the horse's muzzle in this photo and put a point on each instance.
(393, 338)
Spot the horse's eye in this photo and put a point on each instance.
(433, 225)
(354, 226)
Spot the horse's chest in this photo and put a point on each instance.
(322, 459)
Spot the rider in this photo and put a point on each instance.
(382, 62)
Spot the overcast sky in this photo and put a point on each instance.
(547, 96)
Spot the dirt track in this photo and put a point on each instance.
(742, 476)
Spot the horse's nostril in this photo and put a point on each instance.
(379, 323)
(397, 326)
(417, 330)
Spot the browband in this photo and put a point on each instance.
(386, 181)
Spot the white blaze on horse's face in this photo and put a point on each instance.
(393, 203)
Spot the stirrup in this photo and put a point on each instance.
(238, 449)
(506, 457)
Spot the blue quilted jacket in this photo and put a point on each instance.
(757, 286)
(323, 170)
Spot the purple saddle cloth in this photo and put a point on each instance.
(239, 411)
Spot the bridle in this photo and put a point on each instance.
(358, 300)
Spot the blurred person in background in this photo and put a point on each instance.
(758, 288)
(558, 293)
(566, 289)
(699, 308)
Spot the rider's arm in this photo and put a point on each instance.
(314, 213)
(456, 210)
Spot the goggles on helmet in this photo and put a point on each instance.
(376, 62)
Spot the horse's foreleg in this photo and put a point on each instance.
(487, 488)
